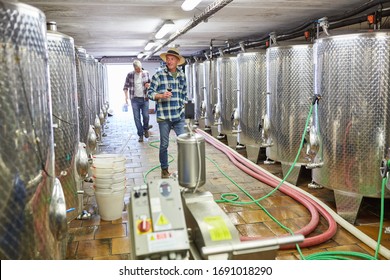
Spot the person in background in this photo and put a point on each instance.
(136, 86)
(168, 88)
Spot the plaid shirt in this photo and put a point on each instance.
(173, 109)
(129, 83)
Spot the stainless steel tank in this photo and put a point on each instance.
(92, 88)
(352, 75)
(227, 91)
(82, 92)
(211, 96)
(252, 99)
(63, 86)
(191, 160)
(27, 181)
(198, 89)
(188, 74)
(290, 75)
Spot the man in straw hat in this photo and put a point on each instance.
(169, 89)
(137, 83)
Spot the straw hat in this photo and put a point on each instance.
(173, 52)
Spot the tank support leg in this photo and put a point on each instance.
(348, 204)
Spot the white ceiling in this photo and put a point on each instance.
(123, 27)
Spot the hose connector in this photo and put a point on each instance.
(316, 98)
(384, 168)
(324, 23)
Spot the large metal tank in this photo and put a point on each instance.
(290, 75)
(82, 92)
(63, 86)
(27, 178)
(227, 90)
(198, 89)
(188, 74)
(211, 96)
(95, 128)
(352, 75)
(252, 99)
(92, 89)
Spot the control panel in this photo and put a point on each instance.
(156, 221)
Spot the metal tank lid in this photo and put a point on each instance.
(291, 44)
(52, 31)
(357, 33)
(187, 137)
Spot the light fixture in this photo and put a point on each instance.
(140, 55)
(165, 28)
(189, 5)
(149, 46)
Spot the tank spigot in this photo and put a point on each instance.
(314, 165)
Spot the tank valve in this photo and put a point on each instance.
(384, 169)
(314, 165)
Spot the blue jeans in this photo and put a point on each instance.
(165, 128)
(140, 105)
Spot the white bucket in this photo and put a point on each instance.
(107, 173)
(107, 182)
(110, 205)
(109, 161)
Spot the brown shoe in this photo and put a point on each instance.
(146, 133)
(165, 173)
(141, 139)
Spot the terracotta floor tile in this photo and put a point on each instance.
(281, 201)
(281, 257)
(254, 230)
(282, 213)
(75, 223)
(370, 251)
(349, 248)
(93, 221)
(254, 216)
(120, 257)
(85, 233)
(71, 250)
(235, 218)
(372, 231)
(94, 248)
(231, 208)
(120, 245)
(110, 231)
(343, 237)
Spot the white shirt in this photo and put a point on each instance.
(138, 87)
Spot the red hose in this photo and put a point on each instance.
(312, 206)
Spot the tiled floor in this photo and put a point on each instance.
(98, 239)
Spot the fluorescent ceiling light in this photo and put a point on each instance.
(167, 26)
(149, 45)
(189, 5)
(140, 55)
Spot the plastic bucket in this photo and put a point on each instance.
(107, 182)
(107, 173)
(109, 161)
(110, 205)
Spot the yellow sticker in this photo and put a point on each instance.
(162, 220)
(217, 228)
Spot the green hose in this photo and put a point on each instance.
(171, 158)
